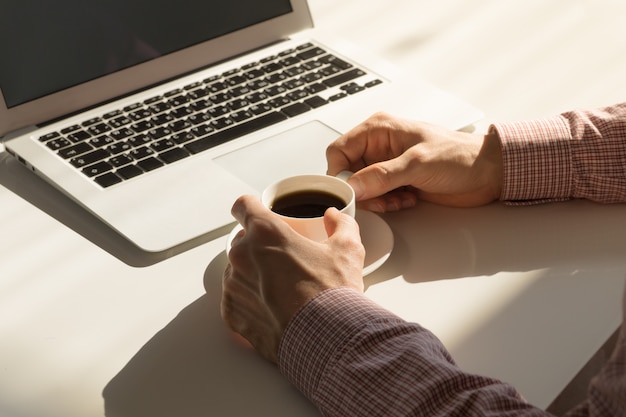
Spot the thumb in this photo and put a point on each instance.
(379, 178)
(340, 224)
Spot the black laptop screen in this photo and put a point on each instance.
(47, 46)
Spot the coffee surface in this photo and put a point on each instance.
(306, 204)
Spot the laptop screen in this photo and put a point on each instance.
(51, 46)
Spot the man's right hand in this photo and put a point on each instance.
(397, 161)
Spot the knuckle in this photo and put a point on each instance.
(381, 175)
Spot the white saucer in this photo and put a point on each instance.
(376, 236)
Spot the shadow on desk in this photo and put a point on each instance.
(434, 242)
(196, 367)
(24, 183)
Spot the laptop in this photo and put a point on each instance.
(155, 116)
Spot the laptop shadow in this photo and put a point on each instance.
(33, 189)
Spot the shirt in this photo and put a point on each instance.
(351, 357)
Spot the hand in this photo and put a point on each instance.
(398, 161)
(274, 271)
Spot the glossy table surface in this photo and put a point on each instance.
(525, 294)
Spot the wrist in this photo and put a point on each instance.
(493, 171)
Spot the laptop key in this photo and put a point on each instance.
(122, 134)
(49, 136)
(202, 130)
(337, 96)
(59, 143)
(112, 114)
(129, 171)
(235, 132)
(70, 129)
(139, 140)
(344, 77)
(221, 123)
(217, 111)
(217, 87)
(141, 153)
(161, 119)
(98, 129)
(173, 155)
(120, 121)
(181, 112)
(254, 73)
(316, 88)
(182, 137)
(260, 108)
(279, 101)
(97, 169)
(311, 53)
(275, 90)
(160, 132)
(296, 109)
(272, 67)
(373, 83)
(315, 101)
(89, 158)
(159, 107)
(256, 97)
(179, 125)
(297, 95)
(75, 150)
(240, 116)
(107, 180)
(120, 160)
(140, 114)
(352, 88)
(78, 136)
(312, 77)
(101, 141)
(91, 121)
(150, 164)
(119, 147)
(142, 126)
(162, 145)
(333, 60)
(236, 80)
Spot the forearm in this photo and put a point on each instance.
(579, 154)
(351, 357)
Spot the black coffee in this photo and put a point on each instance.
(307, 203)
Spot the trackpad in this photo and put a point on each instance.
(301, 150)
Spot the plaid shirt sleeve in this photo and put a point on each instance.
(579, 154)
(353, 358)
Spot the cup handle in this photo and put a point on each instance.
(344, 175)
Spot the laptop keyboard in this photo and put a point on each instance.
(147, 135)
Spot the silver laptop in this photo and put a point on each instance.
(155, 116)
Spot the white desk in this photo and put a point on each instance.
(524, 294)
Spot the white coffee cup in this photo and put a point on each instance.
(306, 222)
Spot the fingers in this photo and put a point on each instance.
(364, 144)
(375, 151)
(245, 313)
(395, 200)
(380, 178)
(346, 153)
(247, 207)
